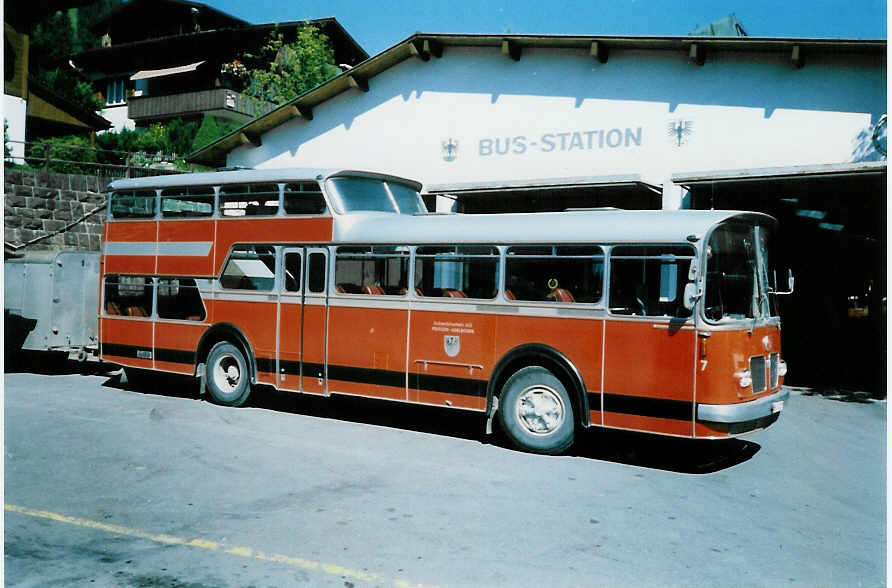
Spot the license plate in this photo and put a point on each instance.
(777, 406)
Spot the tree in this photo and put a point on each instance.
(211, 130)
(281, 71)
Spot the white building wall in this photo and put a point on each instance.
(15, 112)
(117, 116)
(561, 114)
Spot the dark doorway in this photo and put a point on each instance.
(833, 236)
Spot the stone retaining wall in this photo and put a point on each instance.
(41, 203)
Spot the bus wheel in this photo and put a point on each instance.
(227, 376)
(535, 411)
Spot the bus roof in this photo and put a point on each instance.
(604, 226)
(240, 176)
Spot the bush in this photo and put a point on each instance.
(71, 155)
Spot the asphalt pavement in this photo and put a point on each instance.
(123, 485)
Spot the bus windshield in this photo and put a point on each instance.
(737, 273)
(354, 194)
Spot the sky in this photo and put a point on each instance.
(377, 25)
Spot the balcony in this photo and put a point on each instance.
(221, 102)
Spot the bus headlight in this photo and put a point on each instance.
(745, 378)
(781, 368)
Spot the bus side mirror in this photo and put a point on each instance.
(690, 295)
(790, 283)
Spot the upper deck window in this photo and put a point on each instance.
(355, 194)
(187, 201)
(303, 198)
(249, 200)
(133, 204)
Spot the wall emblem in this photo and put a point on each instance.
(450, 149)
(452, 345)
(679, 131)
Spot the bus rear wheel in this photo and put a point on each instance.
(535, 411)
(226, 375)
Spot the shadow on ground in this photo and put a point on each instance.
(638, 449)
(51, 363)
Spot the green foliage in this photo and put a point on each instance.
(7, 150)
(72, 154)
(55, 39)
(65, 83)
(282, 70)
(207, 132)
(210, 130)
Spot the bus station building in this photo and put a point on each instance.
(791, 127)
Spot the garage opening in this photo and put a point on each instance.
(833, 236)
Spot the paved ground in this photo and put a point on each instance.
(107, 485)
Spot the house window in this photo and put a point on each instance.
(115, 92)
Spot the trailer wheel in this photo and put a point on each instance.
(227, 376)
(535, 411)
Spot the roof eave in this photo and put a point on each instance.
(417, 44)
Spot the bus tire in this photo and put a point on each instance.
(535, 411)
(227, 376)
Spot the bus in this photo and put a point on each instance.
(341, 282)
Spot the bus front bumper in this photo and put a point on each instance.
(744, 411)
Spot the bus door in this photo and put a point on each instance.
(650, 341)
(291, 318)
(314, 322)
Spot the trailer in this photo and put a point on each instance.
(50, 300)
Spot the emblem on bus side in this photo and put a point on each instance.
(452, 345)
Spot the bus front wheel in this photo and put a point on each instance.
(535, 411)
(227, 376)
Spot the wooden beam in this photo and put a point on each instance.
(249, 139)
(511, 49)
(599, 51)
(302, 111)
(416, 48)
(797, 57)
(434, 48)
(358, 83)
(697, 54)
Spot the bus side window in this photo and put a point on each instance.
(250, 267)
(546, 273)
(178, 298)
(249, 199)
(136, 204)
(374, 271)
(648, 280)
(303, 198)
(128, 296)
(184, 202)
(457, 271)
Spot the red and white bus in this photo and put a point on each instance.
(339, 282)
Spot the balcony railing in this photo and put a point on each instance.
(191, 103)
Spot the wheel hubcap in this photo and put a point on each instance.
(540, 410)
(227, 374)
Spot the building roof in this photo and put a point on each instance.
(119, 23)
(214, 46)
(425, 46)
(59, 115)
